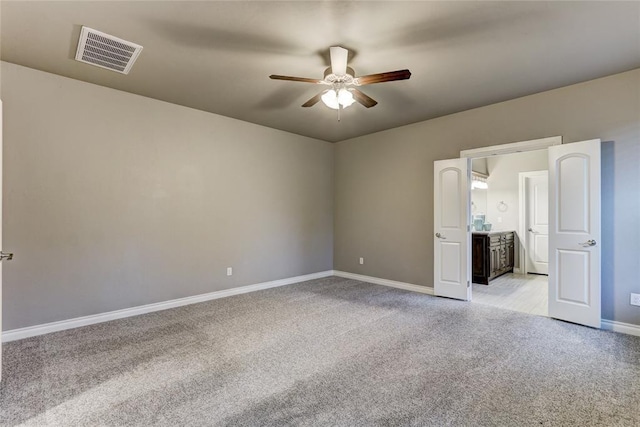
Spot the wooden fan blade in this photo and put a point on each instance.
(384, 77)
(294, 79)
(313, 101)
(363, 99)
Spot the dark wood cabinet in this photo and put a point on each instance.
(509, 247)
(491, 255)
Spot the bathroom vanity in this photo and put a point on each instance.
(491, 255)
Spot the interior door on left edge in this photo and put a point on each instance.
(452, 263)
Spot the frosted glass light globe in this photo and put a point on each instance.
(345, 98)
(330, 99)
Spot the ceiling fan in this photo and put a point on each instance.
(342, 91)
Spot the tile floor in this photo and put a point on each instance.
(524, 293)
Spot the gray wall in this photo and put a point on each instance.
(384, 181)
(114, 200)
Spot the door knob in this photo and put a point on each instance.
(6, 256)
(440, 236)
(531, 230)
(588, 243)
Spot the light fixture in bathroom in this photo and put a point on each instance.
(479, 182)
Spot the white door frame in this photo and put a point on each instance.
(523, 215)
(514, 147)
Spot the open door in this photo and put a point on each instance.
(574, 232)
(452, 264)
(536, 221)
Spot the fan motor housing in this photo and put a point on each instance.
(350, 71)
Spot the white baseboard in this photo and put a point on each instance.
(32, 331)
(624, 328)
(384, 282)
(608, 325)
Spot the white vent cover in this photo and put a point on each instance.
(105, 51)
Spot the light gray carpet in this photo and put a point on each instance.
(325, 352)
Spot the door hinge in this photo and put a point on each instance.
(468, 283)
(468, 228)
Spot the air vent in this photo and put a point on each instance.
(105, 51)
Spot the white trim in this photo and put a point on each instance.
(522, 218)
(385, 282)
(514, 147)
(32, 331)
(621, 327)
(608, 325)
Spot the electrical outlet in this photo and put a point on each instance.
(361, 261)
(229, 271)
(635, 299)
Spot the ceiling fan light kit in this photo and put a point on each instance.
(336, 100)
(342, 80)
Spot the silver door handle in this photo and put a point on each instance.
(6, 256)
(440, 236)
(588, 243)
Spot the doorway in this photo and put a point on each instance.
(510, 221)
(574, 226)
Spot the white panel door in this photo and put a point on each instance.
(574, 232)
(537, 222)
(452, 264)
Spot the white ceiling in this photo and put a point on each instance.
(217, 56)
